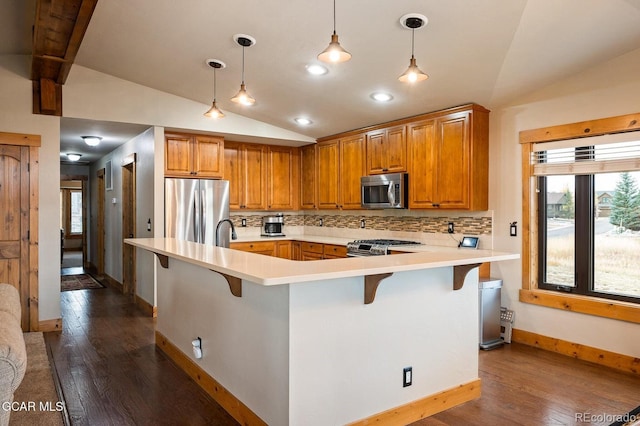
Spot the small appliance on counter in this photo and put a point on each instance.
(272, 226)
(378, 247)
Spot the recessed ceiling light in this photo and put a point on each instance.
(316, 69)
(303, 121)
(381, 96)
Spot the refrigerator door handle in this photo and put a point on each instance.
(203, 215)
(196, 220)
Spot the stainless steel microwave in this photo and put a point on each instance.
(384, 191)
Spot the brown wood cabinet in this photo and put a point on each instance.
(328, 174)
(296, 250)
(449, 160)
(331, 251)
(308, 177)
(311, 251)
(387, 150)
(283, 249)
(283, 177)
(188, 155)
(245, 167)
(352, 168)
(259, 247)
(341, 163)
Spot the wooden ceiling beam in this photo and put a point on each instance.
(58, 31)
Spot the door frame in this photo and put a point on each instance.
(84, 179)
(129, 224)
(100, 175)
(29, 186)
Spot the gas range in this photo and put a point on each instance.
(377, 247)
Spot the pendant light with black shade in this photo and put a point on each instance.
(214, 111)
(334, 52)
(242, 97)
(413, 21)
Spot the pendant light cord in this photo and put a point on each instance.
(214, 84)
(242, 64)
(413, 36)
(334, 16)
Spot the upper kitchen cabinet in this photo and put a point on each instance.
(308, 177)
(328, 174)
(341, 164)
(282, 177)
(449, 160)
(352, 168)
(194, 156)
(245, 167)
(387, 150)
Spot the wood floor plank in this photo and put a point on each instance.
(111, 373)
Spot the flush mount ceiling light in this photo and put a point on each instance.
(381, 96)
(73, 157)
(242, 97)
(91, 140)
(303, 121)
(214, 112)
(316, 69)
(334, 52)
(413, 21)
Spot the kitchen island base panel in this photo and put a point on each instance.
(405, 414)
(313, 353)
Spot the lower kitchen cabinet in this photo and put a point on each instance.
(293, 250)
(311, 251)
(283, 249)
(259, 247)
(331, 251)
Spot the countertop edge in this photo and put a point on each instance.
(267, 270)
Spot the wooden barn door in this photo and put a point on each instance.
(19, 224)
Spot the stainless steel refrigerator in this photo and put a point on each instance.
(193, 209)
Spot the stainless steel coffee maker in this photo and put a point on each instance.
(272, 226)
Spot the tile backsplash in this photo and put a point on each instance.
(472, 223)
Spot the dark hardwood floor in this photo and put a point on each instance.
(111, 374)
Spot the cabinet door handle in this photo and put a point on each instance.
(435, 205)
(385, 170)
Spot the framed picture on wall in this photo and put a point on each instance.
(108, 178)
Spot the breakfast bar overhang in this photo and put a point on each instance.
(317, 342)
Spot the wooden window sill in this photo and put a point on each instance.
(615, 309)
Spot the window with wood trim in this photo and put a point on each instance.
(585, 211)
(71, 212)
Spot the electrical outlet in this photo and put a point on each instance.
(244, 222)
(407, 376)
(450, 227)
(362, 223)
(513, 229)
(320, 222)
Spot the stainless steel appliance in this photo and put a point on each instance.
(384, 191)
(193, 209)
(272, 226)
(378, 247)
(489, 308)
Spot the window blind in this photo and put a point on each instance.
(618, 152)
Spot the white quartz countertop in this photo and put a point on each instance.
(268, 270)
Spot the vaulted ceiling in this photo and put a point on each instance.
(484, 51)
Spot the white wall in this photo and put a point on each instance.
(93, 95)
(16, 117)
(143, 146)
(609, 90)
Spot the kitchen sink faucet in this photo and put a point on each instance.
(234, 236)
